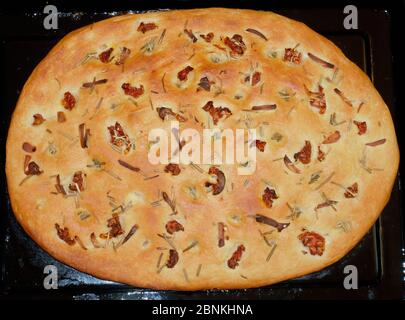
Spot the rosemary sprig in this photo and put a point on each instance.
(185, 275)
(333, 121)
(315, 177)
(276, 136)
(271, 252)
(168, 240)
(345, 226)
(159, 260)
(192, 245)
(325, 181)
(196, 167)
(149, 46)
(198, 270)
(286, 94)
(87, 57)
(163, 82)
(295, 212)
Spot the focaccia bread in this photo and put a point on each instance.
(82, 187)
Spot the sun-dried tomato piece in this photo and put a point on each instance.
(268, 196)
(216, 112)
(314, 242)
(84, 134)
(233, 262)
(128, 166)
(317, 99)
(190, 34)
(221, 234)
(305, 154)
(61, 116)
(118, 137)
(361, 126)
(144, 27)
(91, 85)
(205, 84)
(260, 145)
(115, 226)
(352, 191)
(164, 112)
(182, 74)
(115, 132)
(28, 147)
(170, 202)
(124, 54)
(173, 258)
(38, 119)
(257, 33)
(292, 55)
(69, 101)
(173, 226)
(80, 242)
(31, 168)
(343, 97)
(77, 181)
(130, 233)
(332, 138)
(321, 154)
(280, 226)
(376, 143)
(208, 37)
(322, 62)
(256, 76)
(264, 107)
(236, 45)
(58, 186)
(132, 91)
(220, 185)
(94, 241)
(182, 143)
(173, 168)
(288, 163)
(63, 234)
(105, 55)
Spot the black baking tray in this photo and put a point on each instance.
(378, 257)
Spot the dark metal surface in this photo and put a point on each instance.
(377, 256)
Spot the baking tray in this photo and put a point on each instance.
(377, 257)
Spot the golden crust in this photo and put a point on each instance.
(135, 262)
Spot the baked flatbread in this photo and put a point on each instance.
(82, 187)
